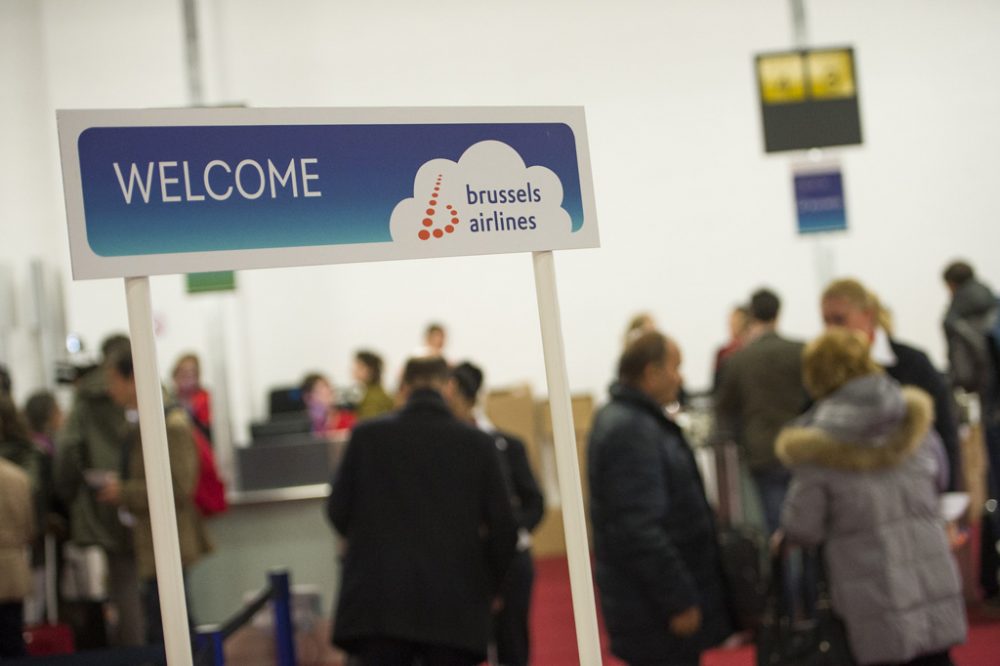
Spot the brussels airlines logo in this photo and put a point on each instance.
(488, 192)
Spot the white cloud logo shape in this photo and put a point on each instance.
(488, 193)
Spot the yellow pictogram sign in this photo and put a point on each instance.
(782, 78)
(831, 74)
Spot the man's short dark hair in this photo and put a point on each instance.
(764, 305)
(958, 273)
(425, 371)
(651, 347)
(39, 409)
(468, 378)
(120, 360)
(115, 343)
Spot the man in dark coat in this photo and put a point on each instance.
(421, 502)
(511, 631)
(967, 323)
(974, 365)
(657, 563)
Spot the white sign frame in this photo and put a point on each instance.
(136, 269)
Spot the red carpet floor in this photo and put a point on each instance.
(554, 635)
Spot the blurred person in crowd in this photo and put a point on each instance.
(848, 303)
(130, 491)
(16, 532)
(739, 326)
(435, 339)
(970, 325)
(864, 485)
(970, 317)
(17, 447)
(641, 322)
(191, 395)
(320, 400)
(6, 385)
(657, 562)
(421, 502)
(89, 453)
(45, 418)
(510, 622)
(368, 373)
(759, 392)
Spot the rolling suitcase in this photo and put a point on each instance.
(51, 637)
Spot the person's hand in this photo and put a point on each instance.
(686, 622)
(774, 544)
(497, 605)
(957, 537)
(110, 492)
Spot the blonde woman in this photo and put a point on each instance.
(848, 303)
(864, 471)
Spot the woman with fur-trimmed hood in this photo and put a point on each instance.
(865, 462)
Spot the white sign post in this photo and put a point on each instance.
(567, 465)
(189, 190)
(159, 485)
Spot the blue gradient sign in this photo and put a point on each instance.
(150, 192)
(819, 199)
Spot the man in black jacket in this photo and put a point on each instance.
(510, 622)
(421, 502)
(657, 562)
(970, 324)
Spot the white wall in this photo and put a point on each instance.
(693, 215)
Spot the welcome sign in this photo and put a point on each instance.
(180, 191)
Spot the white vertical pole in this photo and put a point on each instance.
(567, 465)
(159, 485)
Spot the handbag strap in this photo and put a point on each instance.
(776, 585)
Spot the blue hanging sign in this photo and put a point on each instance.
(819, 199)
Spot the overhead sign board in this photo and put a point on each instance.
(191, 190)
(819, 198)
(808, 99)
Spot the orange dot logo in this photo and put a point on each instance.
(429, 231)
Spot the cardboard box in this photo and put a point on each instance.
(513, 410)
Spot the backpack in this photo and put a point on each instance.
(210, 490)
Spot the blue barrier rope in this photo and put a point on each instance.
(279, 593)
(210, 643)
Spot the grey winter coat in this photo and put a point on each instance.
(863, 483)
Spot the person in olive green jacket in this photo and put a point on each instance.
(368, 373)
(88, 455)
(131, 493)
